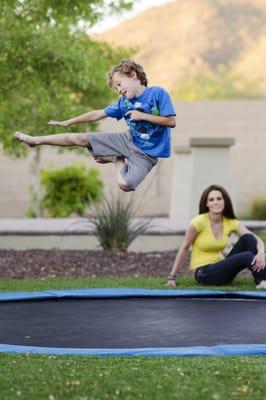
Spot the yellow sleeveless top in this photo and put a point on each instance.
(206, 249)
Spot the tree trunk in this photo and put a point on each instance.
(36, 186)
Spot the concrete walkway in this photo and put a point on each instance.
(78, 234)
(78, 226)
(74, 226)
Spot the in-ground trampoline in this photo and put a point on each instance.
(133, 322)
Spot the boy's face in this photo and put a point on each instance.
(128, 86)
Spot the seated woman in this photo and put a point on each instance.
(212, 260)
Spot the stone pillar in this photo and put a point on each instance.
(181, 186)
(211, 164)
(207, 161)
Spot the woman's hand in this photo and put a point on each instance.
(258, 262)
(171, 282)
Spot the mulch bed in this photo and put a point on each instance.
(32, 264)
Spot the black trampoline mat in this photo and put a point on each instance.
(132, 322)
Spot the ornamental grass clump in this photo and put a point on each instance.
(115, 227)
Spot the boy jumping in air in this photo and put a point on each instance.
(149, 114)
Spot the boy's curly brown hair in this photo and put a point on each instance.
(126, 67)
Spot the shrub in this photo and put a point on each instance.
(70, 190)
(258, 209)
(114, 226)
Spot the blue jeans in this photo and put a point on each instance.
(239, 258)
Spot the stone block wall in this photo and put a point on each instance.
(245, 121)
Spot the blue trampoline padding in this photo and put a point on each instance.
(192, 351)
(218, 350)
(127, 292)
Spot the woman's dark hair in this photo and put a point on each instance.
(228, 211)
(126, 67)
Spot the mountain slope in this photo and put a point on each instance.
(193, 37)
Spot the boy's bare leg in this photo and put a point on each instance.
(73, 139)
(62, 139)
(119, 164)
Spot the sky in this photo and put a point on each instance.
(139, 6)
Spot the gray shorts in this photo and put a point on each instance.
(138, 163)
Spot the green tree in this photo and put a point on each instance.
(49, 67)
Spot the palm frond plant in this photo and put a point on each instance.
(115, 224)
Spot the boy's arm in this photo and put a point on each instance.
(94, 115)
(136, 115)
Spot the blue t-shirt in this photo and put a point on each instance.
(153, 139)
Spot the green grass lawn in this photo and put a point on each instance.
(74, 377)
(15, 285)
(64, 377)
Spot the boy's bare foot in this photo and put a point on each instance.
(105, 159)
(261, 285)
(29, 140)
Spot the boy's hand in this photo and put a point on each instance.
(59, 123)
(135, 115)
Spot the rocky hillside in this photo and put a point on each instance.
(191, 37)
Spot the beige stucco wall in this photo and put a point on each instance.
(243, 120)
